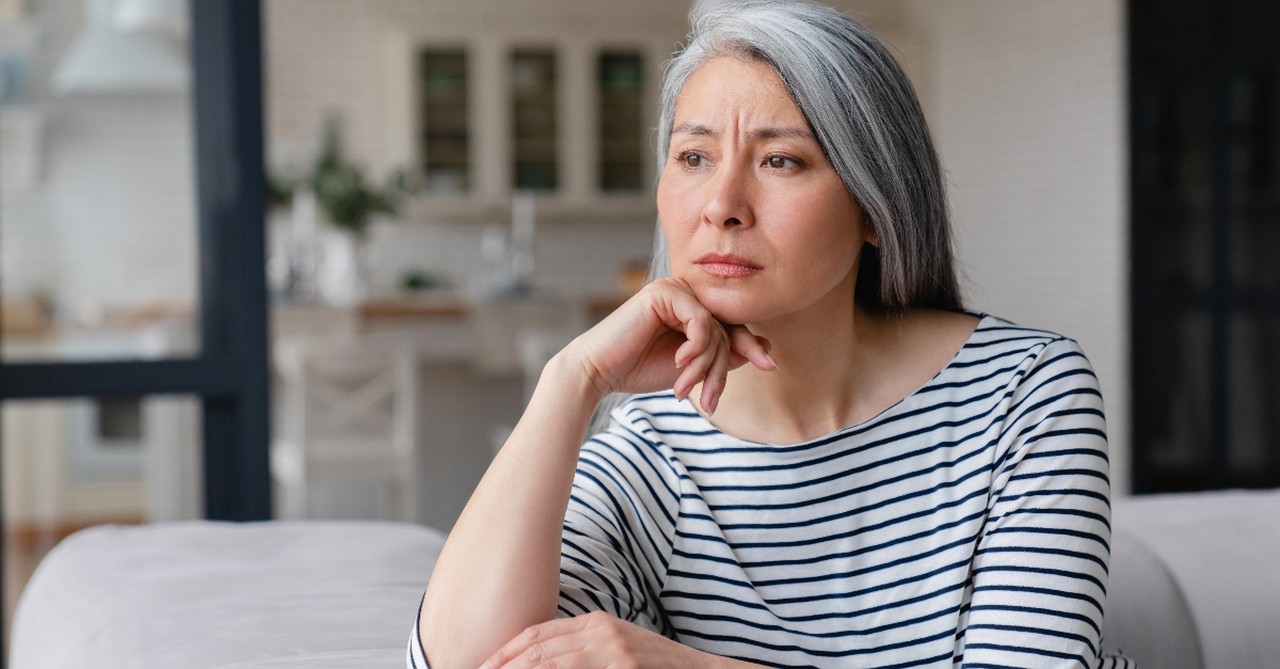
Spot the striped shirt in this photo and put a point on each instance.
(966, 525)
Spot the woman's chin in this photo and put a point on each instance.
(728, 306)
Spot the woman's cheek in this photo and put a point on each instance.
(679, 225)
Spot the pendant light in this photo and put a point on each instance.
(162, 18)
(107, 60)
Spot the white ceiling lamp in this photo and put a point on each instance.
(164, 18)
(106, 60)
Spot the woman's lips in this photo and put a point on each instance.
(727, 266)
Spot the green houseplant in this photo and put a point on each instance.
(349, 200)
(333, 263)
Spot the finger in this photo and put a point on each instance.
(534, 634)
(693, 374)
(713, 384)
(578, 658)
(701, 331)
(677, 307)
(700, 365)
(674, 303)
(752, 348)
(704, 335)
(687, 351)
(560, 651)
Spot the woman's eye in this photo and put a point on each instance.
(780, 162)
(691, 160)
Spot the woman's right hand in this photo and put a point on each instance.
(664, 338)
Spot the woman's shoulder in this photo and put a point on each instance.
(1001, 344)
(970, 341)
(1001, 347)
(995, 332)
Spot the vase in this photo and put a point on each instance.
(342, 278)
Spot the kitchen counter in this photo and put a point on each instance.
(446, 326)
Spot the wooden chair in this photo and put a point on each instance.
(349, 416)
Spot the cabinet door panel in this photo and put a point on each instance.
(620, 97)
(444, 107)
(534, 116)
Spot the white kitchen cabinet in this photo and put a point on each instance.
(567, 117)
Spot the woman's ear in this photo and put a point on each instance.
(872, 238)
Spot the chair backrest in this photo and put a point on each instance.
(352, 399)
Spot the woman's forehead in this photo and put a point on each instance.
(728, 90)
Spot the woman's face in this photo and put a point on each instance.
(756, 219)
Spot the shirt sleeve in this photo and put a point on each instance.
(617, 536)
(1039, 574)
(618, 529)
(415, 656)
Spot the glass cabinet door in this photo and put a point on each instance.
(567, 118)
(446, 130)
(620, 86)
(534, 118)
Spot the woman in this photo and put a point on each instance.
(826, 461)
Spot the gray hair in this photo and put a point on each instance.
(864, 113)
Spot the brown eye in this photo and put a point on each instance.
(779, 162)
(692, 160)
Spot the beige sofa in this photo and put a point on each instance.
(1195, 583)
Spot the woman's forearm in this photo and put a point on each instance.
(499, 570)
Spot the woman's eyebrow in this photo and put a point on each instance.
(694, 129)
(770, 132)
(776, 132)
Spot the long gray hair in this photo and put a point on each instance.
(862, 109)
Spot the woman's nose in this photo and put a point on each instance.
(727, 201)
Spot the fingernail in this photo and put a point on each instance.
(771, 360)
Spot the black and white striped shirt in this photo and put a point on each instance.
(966, 525)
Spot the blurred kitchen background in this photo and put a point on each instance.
(458, 187)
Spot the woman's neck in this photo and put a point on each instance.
(826, 378)
(834, 372)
